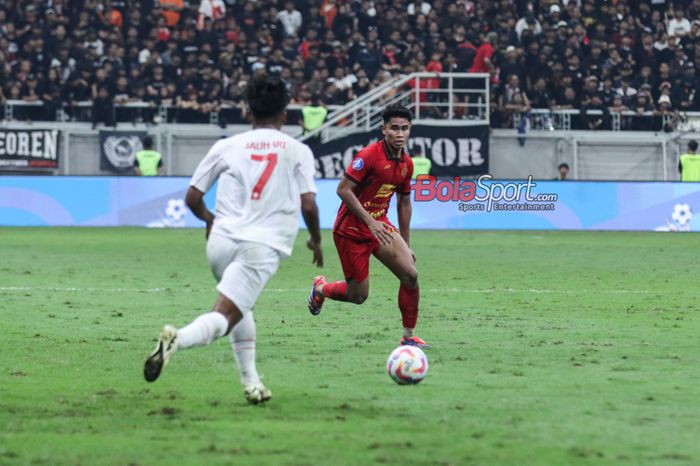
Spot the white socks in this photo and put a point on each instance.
(243, 345)
(212, 325)
(407, 332)
(202, 331)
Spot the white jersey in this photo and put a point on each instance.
(261, 174)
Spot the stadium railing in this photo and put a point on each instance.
(567, 120)
(443, 97)
(130, 112)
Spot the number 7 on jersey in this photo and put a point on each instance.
(271, 160)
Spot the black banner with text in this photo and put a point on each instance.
(453, 150)
(29, 149)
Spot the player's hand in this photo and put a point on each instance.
(318, 252)
(383, 232)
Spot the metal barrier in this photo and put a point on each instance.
(446, 97)
(446, 104)
(142, 112)
(542, 119)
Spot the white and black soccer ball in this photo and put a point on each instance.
(176, 209)
(682, 214)
(407, 365)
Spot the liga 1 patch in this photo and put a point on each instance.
(357, 164)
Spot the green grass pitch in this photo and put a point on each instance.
(567, 348)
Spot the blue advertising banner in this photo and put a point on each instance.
(437, 204)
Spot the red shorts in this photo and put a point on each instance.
(354, 256)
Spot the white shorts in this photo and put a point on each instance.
(242, 268)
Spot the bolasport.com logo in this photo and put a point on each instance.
(484, 195)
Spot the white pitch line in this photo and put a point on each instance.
(299, 290)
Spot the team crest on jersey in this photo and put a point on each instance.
(404, 170)
(357, 164)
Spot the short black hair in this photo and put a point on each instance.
(564, 165)
(267, 96)
(396, 111)
(148, 142)
(693, 145)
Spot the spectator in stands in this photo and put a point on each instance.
(595, 115)
(102, 105)
(678, 26)
(666, 115)
(607, 92)
(618, 105)
(625, 91)
(617, 43)
(540, 96)
(483, 60)
(528, 23)
(513, 100)
(51, 94)
(685, 90)
(171, 10)
(642, 107)
(212, 9)
(370, 59)
(290, 18)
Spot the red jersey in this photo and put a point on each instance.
(378, 177)
(484, 51)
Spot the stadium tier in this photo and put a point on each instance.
(569, 65)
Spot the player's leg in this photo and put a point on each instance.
(200, 332)
(398, 258)
(243, 281)
(354, 259)
(206, 327)
(243, 270)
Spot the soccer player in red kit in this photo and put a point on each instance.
(362, 227)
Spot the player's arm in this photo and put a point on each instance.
(304, 175)
(195, 201)
(309, 210)
(404, 209)
(206, 174)
(346, 192)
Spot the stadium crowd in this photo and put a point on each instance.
(196, 57)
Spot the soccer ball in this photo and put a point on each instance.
(407, 365)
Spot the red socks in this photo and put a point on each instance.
(336, 291)
(408, 300)
(408, 304)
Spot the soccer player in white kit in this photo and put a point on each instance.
(265, 179)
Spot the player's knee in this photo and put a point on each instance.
(410, 278)
(358, 297)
